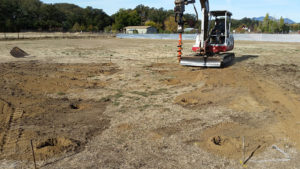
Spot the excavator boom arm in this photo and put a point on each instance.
(205, 21)
(179, 12)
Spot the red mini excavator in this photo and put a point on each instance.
(212, 42)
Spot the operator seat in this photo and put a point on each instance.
(218, 33)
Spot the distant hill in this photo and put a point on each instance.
(286, 20)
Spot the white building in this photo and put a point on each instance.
(140, 30)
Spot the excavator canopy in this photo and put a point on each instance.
(220, 13)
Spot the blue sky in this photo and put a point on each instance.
(239, 8)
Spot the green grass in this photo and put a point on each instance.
(116, 103)
(61, 93)
(118, 95)
(114, 98)
(159, 91)
(133, 98)
(144, 94)
(151, 93)
(144, 107)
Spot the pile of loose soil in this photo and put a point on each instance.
(18, 53)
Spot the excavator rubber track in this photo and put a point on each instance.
(216, 61)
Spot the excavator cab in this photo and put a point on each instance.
(220, 39)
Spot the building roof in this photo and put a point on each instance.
(137, 27)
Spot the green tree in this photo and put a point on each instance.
(90, 28)
(260, 27)
(153, 14)
(170, 24)
(82, 28)
(35, 15)
(76, 27)
(125, 18)
(108, 29)
(295, 27)
(274, 26)
(255, 29)
(281, 24)
(266, 22)
(143, 12)
(286, 29)
(250, 23)
(158, 26)
(190, 20)
(51, 18)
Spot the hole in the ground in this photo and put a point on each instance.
(50, 142)
(183, 100)
(217, 140)
(74, 106)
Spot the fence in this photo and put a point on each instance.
(242, 37)
(52, 35)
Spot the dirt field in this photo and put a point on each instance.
(120, 103)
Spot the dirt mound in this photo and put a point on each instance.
(18, 53)
(172, 82)
(226, 139)
(206, 97)
(49, 148)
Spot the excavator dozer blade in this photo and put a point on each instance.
(200, 62)
(214, 62)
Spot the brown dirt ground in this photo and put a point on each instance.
(119, 103)
(57, 125)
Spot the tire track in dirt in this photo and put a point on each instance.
(13, 131)
(7, 112)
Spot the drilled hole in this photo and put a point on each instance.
(50, 142)
(217, 140)
(74, 106)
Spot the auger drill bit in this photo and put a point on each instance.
(179, 11)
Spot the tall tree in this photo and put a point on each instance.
(158, 26)
(125, 18)
(76, 27)
(170, 24)
(143, 12)
(266, 23)
(190, 20)
(16, 15)
(281, 24)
